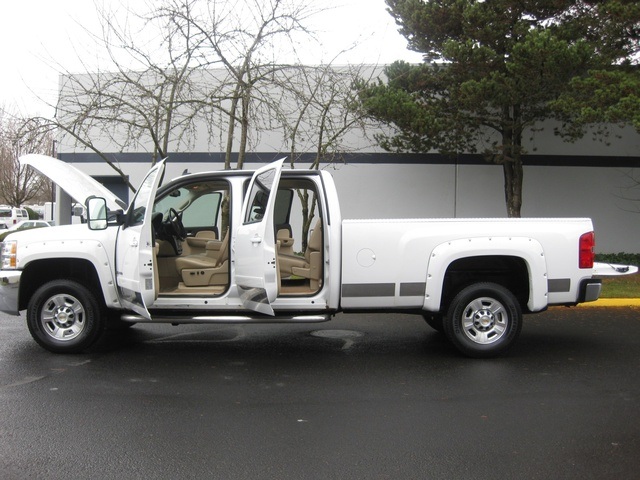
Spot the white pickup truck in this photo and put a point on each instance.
(271, 246)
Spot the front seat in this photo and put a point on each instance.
(204, 270)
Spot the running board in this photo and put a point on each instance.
(132, 318)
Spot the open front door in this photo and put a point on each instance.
(254, 250)
(135, 261)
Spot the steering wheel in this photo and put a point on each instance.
(176, 227)
(173, 230)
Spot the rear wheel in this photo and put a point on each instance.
(64, 316)
(483, 320)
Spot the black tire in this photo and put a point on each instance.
(483, 320)
(65, 317)
(435, 321)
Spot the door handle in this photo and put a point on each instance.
(256, 240)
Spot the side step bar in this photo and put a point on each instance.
(133, 318)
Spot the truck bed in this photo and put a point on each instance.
(400, 263)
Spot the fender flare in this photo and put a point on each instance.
(92, 251)
(525, 248)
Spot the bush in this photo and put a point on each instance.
(33, 215)
(621, 258)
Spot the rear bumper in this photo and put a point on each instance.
(9, 290)
(590, 290)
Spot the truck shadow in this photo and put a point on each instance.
(556, 334)
(412, 340)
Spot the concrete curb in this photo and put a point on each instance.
(612, 302)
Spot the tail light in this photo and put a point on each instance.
(586, 252)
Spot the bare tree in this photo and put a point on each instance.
(246, 37)
(321, 112)
(144, 101)
(20, 184)
(324, 112)
(174, 67)
(185, 63)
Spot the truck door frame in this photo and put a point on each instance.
(134, 249)
(254, 246)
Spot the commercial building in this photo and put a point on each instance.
(588, 178)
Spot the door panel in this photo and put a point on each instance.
(254, 249)
(135, 261)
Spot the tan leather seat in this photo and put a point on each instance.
(312, 268)
(197, 244)
(286, 258)
(208, 269)
(285, 241)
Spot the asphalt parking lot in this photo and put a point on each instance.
(364, 396)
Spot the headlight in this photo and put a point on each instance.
(9, 254)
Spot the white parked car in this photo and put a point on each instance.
(24, 225)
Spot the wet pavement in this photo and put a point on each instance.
(363, 396)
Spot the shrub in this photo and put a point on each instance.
(622, 258)
(33, 215)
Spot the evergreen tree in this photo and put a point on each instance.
(492, 70)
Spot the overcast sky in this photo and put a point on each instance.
(36, 35)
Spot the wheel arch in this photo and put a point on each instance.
(508, 271)
(39, 272)
(516, 263)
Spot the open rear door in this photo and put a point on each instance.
(254, 251)
(135, 261)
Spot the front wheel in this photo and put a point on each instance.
(483, 320)
(63, 316)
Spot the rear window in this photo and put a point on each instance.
(5, 212)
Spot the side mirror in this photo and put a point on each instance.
(96, 213)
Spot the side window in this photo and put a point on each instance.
(203, 211)
(259, 196)
(201, 204)
(139, 206)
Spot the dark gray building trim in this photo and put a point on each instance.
(217, 159)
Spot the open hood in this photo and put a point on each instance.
(77, 184)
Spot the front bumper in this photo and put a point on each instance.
(9, 290)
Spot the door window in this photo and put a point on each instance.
(138, 207)
(259, 196)
(201, 204)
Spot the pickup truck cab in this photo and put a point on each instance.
(271, 246)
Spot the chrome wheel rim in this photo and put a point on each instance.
(63, 317)
(485, 320)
